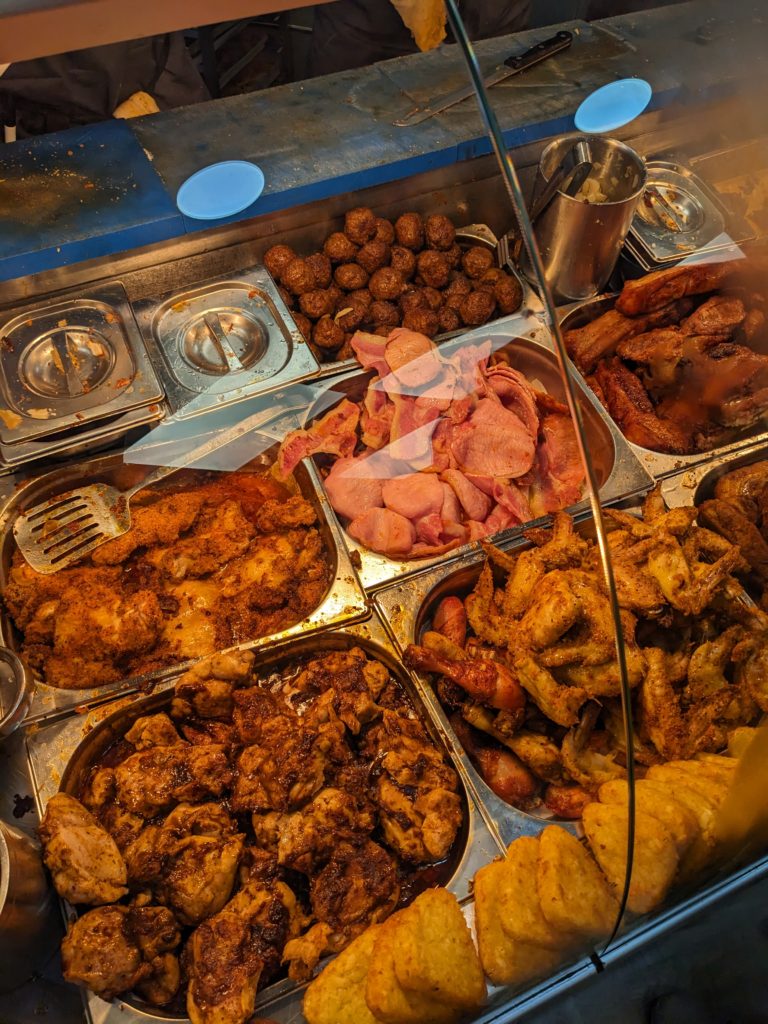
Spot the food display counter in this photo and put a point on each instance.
(334, 724)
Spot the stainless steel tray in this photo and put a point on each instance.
(58, 753)
(343, 602)
(658, 464)
(532, 351)
(242, 309)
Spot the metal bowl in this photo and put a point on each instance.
(15, 695)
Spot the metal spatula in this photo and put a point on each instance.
(63, 529)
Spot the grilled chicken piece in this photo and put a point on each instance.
(357, 887)
(356, 681)
(597, 340)
(115, 949)
(189, 862)
(82, 857)
(153, 731)
(488, 682)
(630, 406)
(558, 702)
(206, 690)
(158, 523)
(222, 533)
(645, 294)
(730, 522)
(150, 781)
(308, 838)
(283, 771)
(230, 952)
(285, 515)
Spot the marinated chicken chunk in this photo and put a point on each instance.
(309, 837)
(152, 780)
(357, 887)
(112, 950)
(82, 857)
(200, 570)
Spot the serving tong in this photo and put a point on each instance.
(65, 528)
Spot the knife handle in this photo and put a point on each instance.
(560, 41)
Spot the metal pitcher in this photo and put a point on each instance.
(27, 936)
(580, 241)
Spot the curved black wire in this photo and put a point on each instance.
(519, 208)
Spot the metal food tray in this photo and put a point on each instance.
(60, 752)
(696, 485)
(658, 464)
(344, 601)
(281, 355)
(532, 351)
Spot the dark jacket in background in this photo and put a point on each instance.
(355, 33)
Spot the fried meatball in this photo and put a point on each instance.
(350, 276)
(319, 302)
(304, 324)
(350, 315)
(382, 313)
(321, 268)
(422, 320)
(327, 334)
(286, 296)
(448, 320)
(476, 261)
(386, 283)
(297, 277)
(409, 231)
(508, 293)
(385, 231)
(433, 268)
(492, 276)
(360, 295)
(477, 307)
(413, 298)
(360, 224)
(433, 298)
(373, 255)
(383, 330)
(338, 248)
(346, 351)
(337, 293)
(453, 255)
(403, 260)
(439, 232)
(456, 292)
(277, 259)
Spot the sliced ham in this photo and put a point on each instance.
(500, 519)
(441, 452)
(511, 498)
(451, 515)
(470, 362)
(369, 349)
(493, 442)
(559, 470)
(412, 428)
(514, 393)
(383, 530)
(376, 420)
(412, 357)
(421, 550)
(475, 504)
(414, 496)
(351, 490)
(459, 410)
(334, 434)
(429, 529)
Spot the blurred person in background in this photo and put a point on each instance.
(355, 33)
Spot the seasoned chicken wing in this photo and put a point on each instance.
(82, 857)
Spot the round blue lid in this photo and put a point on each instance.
(613, 105)
(220, 190)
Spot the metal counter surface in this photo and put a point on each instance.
(325, 137)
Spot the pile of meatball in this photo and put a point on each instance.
(375, 275)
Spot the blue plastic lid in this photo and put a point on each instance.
(220, 190)
(613, 105)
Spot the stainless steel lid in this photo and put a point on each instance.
(71, 361)
(678, 214)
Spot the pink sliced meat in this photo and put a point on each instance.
(500, 519)
(421, 550)
(515, 393)
(408, 437)
(383, 530)
(493, 442)
(459, 410)
(451, 515)
(475, 504)
(412, 357)
(511, 498)
(414, 496)
(560, 473)
(441, 452)
(334, 434)
(369, 349)
(352, 489)
(376, 419)
(470, 362)
(482, 483)
(429, 529)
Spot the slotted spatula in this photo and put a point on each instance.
(63, 529)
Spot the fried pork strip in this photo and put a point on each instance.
(652, 292)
